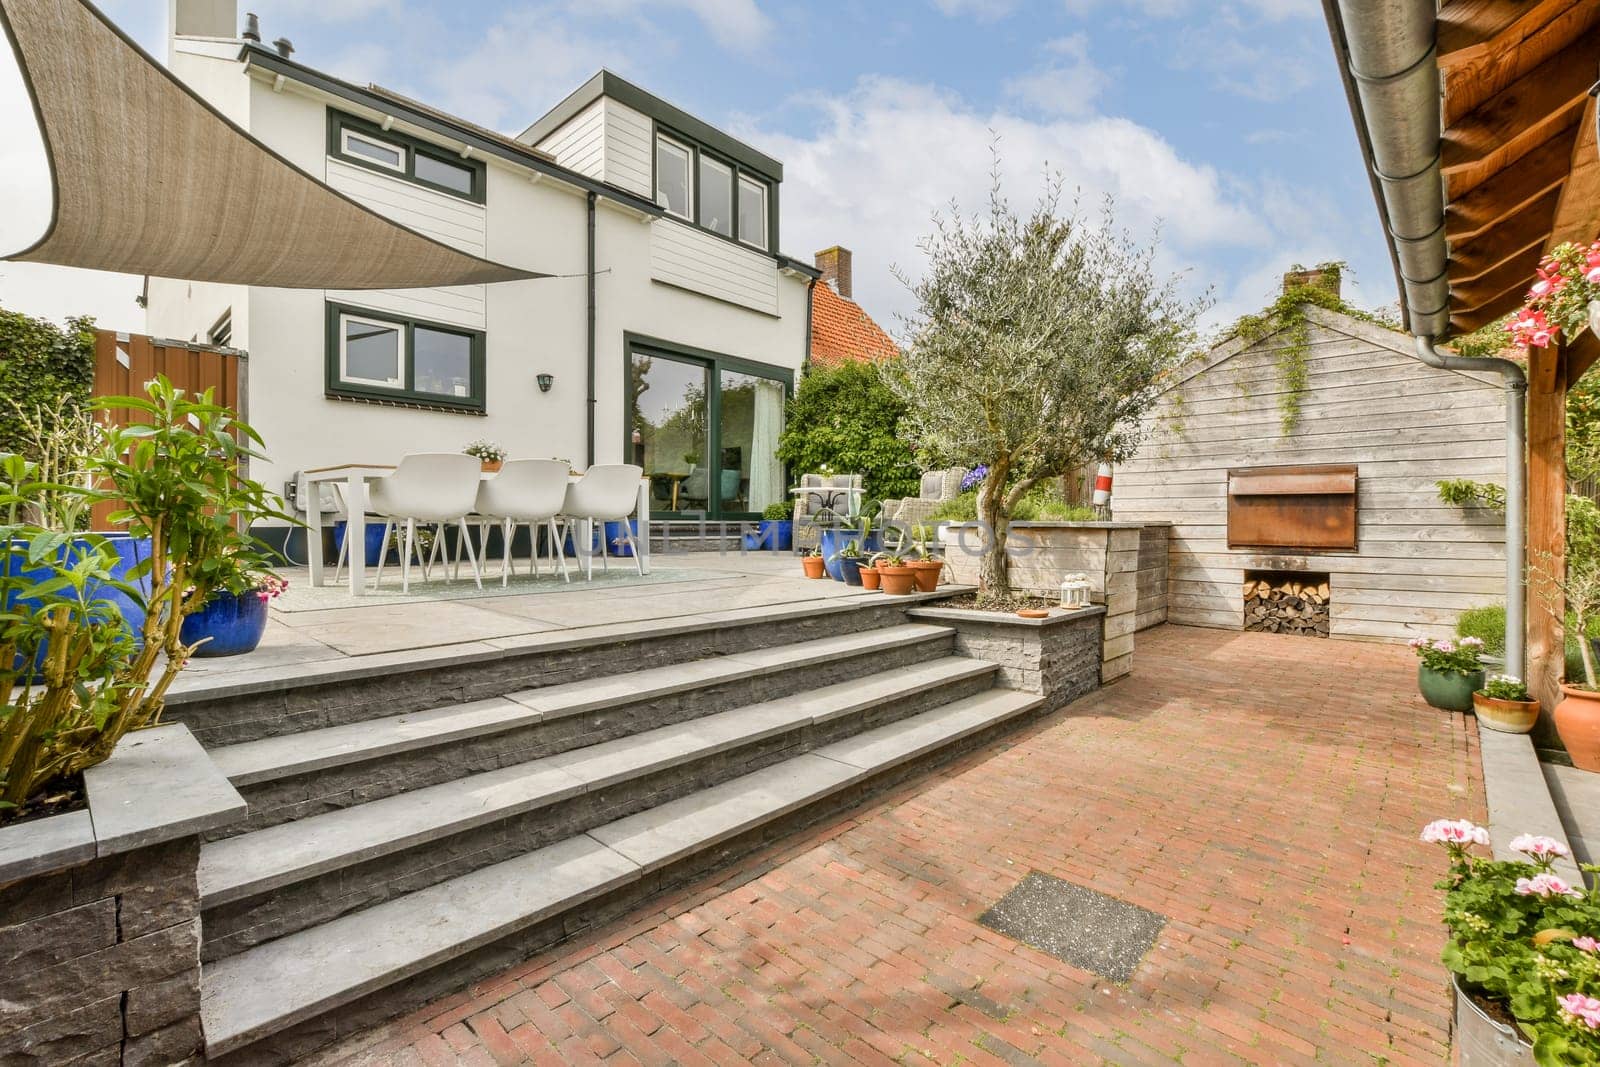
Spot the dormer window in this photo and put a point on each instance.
(672, 177)
(712, 192)
(410, 159)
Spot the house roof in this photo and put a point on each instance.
(843, 333)
(147, 178)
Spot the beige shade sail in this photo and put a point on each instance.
(149, 179)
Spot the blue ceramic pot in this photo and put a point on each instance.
(835, 539)
(129, 551)
(850, 569)
(773, 535)
(374, 535)
(614, 532)
(231, 624)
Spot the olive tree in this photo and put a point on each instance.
(1036, 344)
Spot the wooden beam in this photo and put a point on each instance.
(1470, 29)
(1540, 172)
(1505, 44)
(1529, 227)
(1577, 216)
(1507, 126)
(1513, 274)
(1582, 353)
(1547, 523)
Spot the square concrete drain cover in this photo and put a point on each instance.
(1089, 930)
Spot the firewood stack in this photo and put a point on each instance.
(1286, 606)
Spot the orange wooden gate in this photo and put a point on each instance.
(124, 362)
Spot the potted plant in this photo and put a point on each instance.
(1577, 716)
(775, 531)
(895, 578)
(1522, 951)
(1503, 704)
(1449, 671)
(233, 619)
(490, 454)
(870, 578)
(811, 562)
(850, 559)
(925, 563)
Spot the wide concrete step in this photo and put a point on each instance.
(267, 860)
(293, 776)
(276, 985)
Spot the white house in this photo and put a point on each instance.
(669, 331)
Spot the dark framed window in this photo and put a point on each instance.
(712, 193)
(377, 355)
(366, 144)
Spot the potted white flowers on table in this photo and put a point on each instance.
(1522, 949)
(1450, 671)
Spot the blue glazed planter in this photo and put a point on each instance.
(772, 535)
(130, 551)
(231, 624)
(374, 535)
(834, 540)
(850, 569)
(613, 532)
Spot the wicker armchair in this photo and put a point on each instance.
(811, 511)
(938, 487)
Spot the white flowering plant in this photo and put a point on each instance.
(1525, 940)
(1443, 654)
(1505, 687)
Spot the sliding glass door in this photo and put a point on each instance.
(705, 429)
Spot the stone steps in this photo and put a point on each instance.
(300, 775)
(315, 985)
(282, 879)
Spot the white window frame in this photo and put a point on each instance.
(346, 135)
(733, 195)
(400, 351)
(689, 175)
(738, 213)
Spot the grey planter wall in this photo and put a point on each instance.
(1059, 658)
(100, 911)
(1043, 553)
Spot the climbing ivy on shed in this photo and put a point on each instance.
(42, 367)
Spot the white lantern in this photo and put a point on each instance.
(1075, 591)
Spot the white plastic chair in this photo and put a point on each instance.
(525, 492)
(431, 488)
(607, 492)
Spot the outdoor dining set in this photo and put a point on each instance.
(451, 489)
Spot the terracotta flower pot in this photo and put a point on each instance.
(927, 572)
(1578, 722)
(870, 577)
(813, 566)
(1507, 716)
(897, 581)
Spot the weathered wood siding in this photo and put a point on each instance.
(1369, 402)
(1154, 545)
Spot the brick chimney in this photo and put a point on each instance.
(1324, 276)
(834, 263)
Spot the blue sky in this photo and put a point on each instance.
(1223, 120)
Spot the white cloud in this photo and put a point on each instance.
(737, 25)
(1067, 85)
(888, 154)
(982, 10)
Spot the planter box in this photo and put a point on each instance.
(100, 910)
(1043, 553)
(1481, 1041)
(1059, 657)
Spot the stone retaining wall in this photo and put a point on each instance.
(100, 912)
(1058, 657)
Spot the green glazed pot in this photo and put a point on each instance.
(1448, 690)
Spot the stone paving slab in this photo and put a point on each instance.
(1275, 828)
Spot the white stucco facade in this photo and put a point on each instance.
(654, 277)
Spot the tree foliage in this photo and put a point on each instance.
(43, 368)
(846, 419)
(1037, 343)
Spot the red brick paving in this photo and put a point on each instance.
(1263, 792)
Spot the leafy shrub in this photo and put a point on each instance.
(1042, 504)
(42, 368)
(1521, 936)
(846, 419)
(777, 512)
(1487, 624)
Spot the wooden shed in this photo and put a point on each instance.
(1335, 527)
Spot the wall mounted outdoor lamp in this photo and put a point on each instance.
(545, 382)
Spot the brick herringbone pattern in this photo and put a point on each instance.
(1263, 792)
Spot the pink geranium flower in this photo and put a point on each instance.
(1585, 1010)
(1586, 944)
(1454, 832)
(1545, 885)
(1540, 848)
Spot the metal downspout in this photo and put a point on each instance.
(590, 406)
(1516, 385)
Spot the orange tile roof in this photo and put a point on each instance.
(842, 333)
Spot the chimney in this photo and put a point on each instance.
(203, 18)
(252, 28)
(834, 263)
(1324, 276)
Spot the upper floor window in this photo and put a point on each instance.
(672, 177)
(433, 166)
(703, 189)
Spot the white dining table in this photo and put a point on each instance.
(352, 479)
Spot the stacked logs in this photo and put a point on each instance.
(1286, 605)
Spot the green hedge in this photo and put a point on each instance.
(846, 418)
(42, 366)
